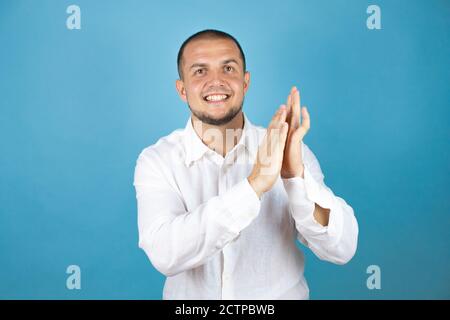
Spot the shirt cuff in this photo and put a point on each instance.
(303, 194)
(241, 206)
(302, 207)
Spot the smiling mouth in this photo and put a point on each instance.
(216, 98)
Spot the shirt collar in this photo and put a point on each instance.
(195, 148)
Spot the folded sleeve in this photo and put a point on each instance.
(336, 242)
(175, 239)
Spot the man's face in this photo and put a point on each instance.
(214, 83)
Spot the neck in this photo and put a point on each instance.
(221, 138)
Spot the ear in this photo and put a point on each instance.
(246, 81)
(179, 84)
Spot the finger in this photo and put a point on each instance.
(275, 117)
(306, 123)
(284, 134)
(288, 107)
(290, 120)
(282, 117)
(282, 131)
(274, 127)
(279, 118)
(295, 120)
(278, 141)
(300, 133)
(288, 102)
(275, 132)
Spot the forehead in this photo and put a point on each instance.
(210, 50)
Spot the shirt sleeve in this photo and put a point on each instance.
(336, 242)
(175, 239)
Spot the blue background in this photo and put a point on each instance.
(77, 107)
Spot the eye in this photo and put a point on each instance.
(199, 71)
(229, 68)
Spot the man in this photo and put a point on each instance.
(221, 202)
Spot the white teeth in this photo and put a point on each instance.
(216, 97)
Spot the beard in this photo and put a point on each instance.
(230, 115)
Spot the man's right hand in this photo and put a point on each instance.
(270, 154)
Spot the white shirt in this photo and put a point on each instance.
(203, 226)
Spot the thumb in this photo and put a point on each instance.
(298, 134)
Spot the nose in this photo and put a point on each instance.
(216, 79)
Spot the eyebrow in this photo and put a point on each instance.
(196, 65)
(230, 61)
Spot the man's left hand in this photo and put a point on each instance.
(292, 159)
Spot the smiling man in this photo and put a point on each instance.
(222, 201)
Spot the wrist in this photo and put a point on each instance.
(253, 181)
(297, 173)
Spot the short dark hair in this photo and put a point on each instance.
(208, 34)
